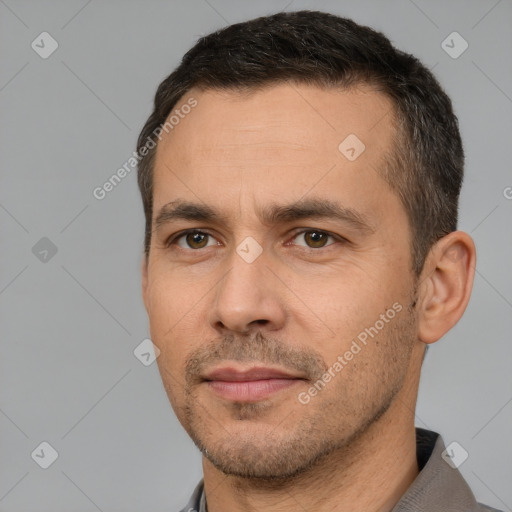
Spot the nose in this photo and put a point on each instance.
(248, 297)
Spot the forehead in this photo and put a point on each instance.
(281, 140)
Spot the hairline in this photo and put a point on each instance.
(393, 161)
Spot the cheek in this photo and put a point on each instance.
(344, 296)
(348, 307)
(168, 303)
(177, 318)
(365, 369)
(167, 314)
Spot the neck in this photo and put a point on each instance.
(371, 474)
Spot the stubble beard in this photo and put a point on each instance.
(279, 450)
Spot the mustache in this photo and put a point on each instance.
(253, 348)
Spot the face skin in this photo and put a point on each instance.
(318, 283)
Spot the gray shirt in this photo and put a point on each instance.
(438, 487)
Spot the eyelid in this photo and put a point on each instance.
(180, 234)
(299, 231)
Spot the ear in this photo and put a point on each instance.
(144, 280)
(445, 285)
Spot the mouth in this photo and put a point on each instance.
(249, 385)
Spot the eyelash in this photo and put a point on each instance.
(173, 239)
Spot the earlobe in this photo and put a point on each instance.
(446, 283)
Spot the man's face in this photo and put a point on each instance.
(292, 291)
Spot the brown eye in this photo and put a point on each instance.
(192, 240)
(315, 238)
(196, 240)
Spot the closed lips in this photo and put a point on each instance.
(253, 374)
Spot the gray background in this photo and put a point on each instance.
(70, 324)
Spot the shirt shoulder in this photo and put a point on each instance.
(439, 485)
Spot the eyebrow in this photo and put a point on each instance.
(313, 208)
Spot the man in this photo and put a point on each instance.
(300, 180)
